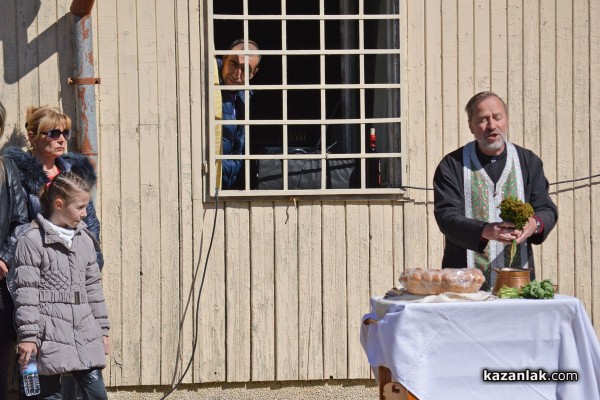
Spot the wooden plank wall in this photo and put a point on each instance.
(287, 282)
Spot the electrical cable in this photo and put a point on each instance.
(196, 329)
(554, 183)
(575, 180)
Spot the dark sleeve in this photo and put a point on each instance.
(93, 225)
(230, 171)
(449, 206)
(539, 197)
(233, 139)
(18, 210)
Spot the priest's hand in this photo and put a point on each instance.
(528, 230)
(503, 232)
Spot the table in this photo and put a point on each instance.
(440, 350)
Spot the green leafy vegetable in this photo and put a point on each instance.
(533, 290)
(506, 292)
(538, 290)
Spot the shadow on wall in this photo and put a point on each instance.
(23, 52)
(14, 138)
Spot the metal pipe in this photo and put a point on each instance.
(82, 8)
(84, 80)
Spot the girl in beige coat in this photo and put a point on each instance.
(60, 312)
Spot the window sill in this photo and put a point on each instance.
(309, 195)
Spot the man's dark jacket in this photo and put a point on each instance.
(13, 212)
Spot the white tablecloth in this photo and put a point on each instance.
(439, 350)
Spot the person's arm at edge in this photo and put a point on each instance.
(18, 214)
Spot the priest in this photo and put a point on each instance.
(469, 185)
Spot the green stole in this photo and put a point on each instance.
(482, 202)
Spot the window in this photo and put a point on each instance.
(329, 75)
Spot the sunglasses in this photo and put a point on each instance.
(54, 134)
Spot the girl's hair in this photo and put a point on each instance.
(44, 118)
(2, 118)
(64, 186)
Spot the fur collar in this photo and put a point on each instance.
(78, 164)
(31, 172)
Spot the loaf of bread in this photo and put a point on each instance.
(436, 281)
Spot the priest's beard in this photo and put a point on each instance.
(487, 147)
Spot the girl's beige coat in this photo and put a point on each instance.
(59, 302)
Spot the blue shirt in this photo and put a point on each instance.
(233, 136)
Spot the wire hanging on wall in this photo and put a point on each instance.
(197, 319)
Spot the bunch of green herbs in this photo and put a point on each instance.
(514, 210)
(533, 290)
(538, 290)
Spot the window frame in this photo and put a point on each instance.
(210, 171)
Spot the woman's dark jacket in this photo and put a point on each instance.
(34, 179)
(13, 212)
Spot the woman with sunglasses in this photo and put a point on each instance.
(48, 131)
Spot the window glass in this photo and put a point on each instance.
(328, 76)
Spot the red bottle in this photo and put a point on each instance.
(373, 164)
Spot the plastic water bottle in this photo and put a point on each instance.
(31, 379)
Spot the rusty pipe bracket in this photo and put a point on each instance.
(83, 81)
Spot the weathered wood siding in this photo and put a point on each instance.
(287, 282)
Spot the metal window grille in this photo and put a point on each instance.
(354, 126)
